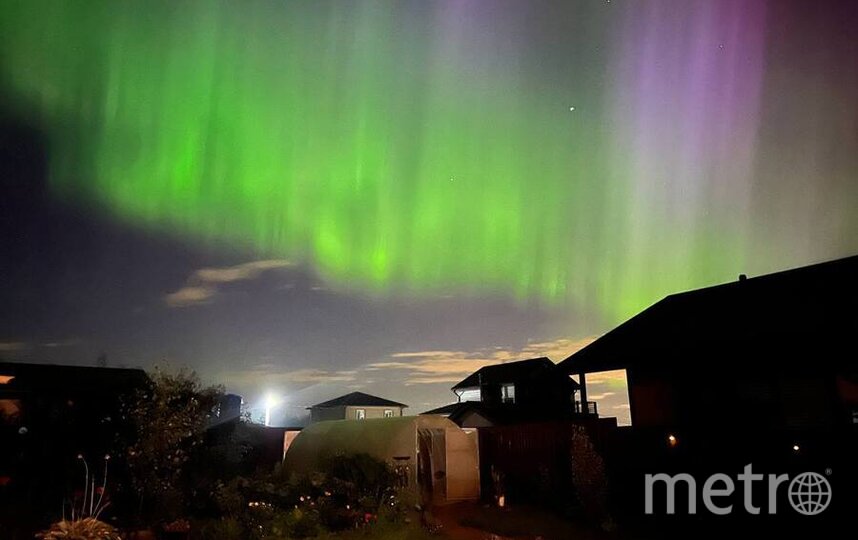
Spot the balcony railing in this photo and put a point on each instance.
(591, 408)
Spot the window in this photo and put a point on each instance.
(469, 394)
(10, 412)
(508, 393)
(360, 414)
(388, 413)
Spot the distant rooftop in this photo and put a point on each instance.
(499, 414)
(446, 409)
(507, 372)
(79, 378)
(358, 399)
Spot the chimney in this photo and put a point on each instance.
(743, 277)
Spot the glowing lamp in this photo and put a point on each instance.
(271, 401)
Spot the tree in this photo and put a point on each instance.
(168, 420)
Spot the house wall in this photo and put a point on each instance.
(531, 461)
(373, 412)
(550, 390)
(743, 399)
(318, 414)
(474, 420)
(651, 402)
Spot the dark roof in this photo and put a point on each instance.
(507, 372)
(816, 303)
(48, 377)
(446, 409)
(500, 414)
(358, 399)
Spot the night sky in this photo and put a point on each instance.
(307, 198)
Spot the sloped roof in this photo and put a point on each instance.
(507, 372)
(358, 399)
(500, 414)
(446, 409)
(772, 310)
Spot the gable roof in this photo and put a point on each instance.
(507, 372)
(817, 300)
(358, 399)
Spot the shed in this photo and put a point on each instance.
(436, 460)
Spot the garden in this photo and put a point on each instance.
(166, 478)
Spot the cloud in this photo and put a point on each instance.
(71, 342)
(12, 346)
(440, 366)
(317, 375)
(434, 366)
(189, 296)
(271, 376)
(249, 270)
(614, 379)
(203, 284)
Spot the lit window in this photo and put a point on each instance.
(6, 379)
(360, 414)
(508, 393)
(10, 412)
(388, 413)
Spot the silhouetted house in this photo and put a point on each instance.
(68, 406)
(229, 408)
(775, 353)
(48, 415)
(243, 447)
(525, 415)
(512, 393)
(355, 406)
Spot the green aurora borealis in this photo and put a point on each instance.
(600, 156)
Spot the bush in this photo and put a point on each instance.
(169, 419)
(589, 478)
(350, 492)
(296, 523)
(87, 528)
(360, 479)
(220, 529)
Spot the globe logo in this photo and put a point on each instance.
(809, 493)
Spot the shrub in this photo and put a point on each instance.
(87, 528)
(169, 419)
(296, 523)
(350, 492)
(360, 478)
(220, 529)
(588, 476)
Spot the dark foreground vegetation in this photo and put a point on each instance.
(161, 474)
